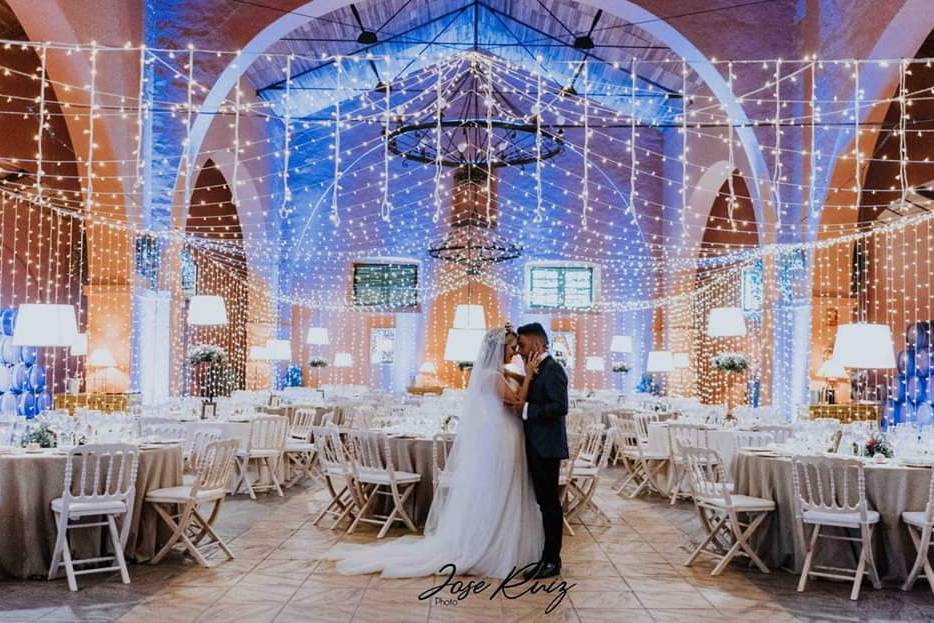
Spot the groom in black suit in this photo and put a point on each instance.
(546, 441)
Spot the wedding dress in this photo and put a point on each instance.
(486, 521)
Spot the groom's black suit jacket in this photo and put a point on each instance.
(545, 428)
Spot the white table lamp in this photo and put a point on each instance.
(462, 345)
(101, 358)
(830, 369)
(428, 368)
(258, 353)
(660, 361)
(621, 344)
(864, 346)
(45, 324)
(207, 310)
(317, 336)
(726, 322)
(279, 350)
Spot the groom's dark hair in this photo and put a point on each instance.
(533, 328)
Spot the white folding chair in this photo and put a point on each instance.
(336, 473)
(642, 464)
(104, 486)
(682, 435)
(299, 449)
(197, 441)
(162, 428)
(585, 474)
(440, 449)
(920, 526)
(264, 450)
(729, 519)
(566, 470)
(179, 507)
(780, 434)
(373, 475)
(832, 492)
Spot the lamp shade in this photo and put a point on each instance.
(79, 347)
(207, 310)
(660, 361)
(343, 360)
(594, 364)
(101, 358)
(864, 346)
(681, 360)
(621, 344)
(463, 344)
(279, 350)
(428, 368)
(830, 369)
(317, 336)
(258, 353)
(726, 322)
(45, 325)
(469, 317)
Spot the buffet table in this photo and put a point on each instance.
(890, 490)
(29, 483)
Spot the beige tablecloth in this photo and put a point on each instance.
(29, 483)
(889, 490)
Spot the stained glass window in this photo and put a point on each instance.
(392, 286)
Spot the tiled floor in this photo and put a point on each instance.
(630, 571)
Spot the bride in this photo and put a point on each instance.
(485, 521)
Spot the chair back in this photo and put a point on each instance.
(196, 443)
(440, 448)
(591, 445)
(368, 450)
(332, 456)
(743, 439)
(829, 485)
(268, 432)
(302, 421)
(275, 401)
(642, 424)
(706, 474)
(215, 465)
(780, 434)
(162, 428)
(681, 435)
(626, 435)
(101, 473)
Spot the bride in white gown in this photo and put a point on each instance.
(486, 521)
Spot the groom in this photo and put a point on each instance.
(546, 441)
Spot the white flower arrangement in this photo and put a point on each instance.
(730, 362)
(317, 362)
(206, 353)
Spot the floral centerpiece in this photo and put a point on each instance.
(317, 362)
(620, 367)
(41, 435)
(730, 362)
(206, 353)
(877, 443)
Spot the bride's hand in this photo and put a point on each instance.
(531, 366)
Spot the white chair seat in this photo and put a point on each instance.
(259, 453)
(299, 446)
(840, 520)
(741, 503)
(380, 477)
(648, 456)
(916, 518)
(182, 494)
(188, 479)
(582, 471)
(113, 507)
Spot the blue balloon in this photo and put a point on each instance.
(915, 389)
(8, 352)
(36, 378)
(7, 320)
(20, 378)
(906, 362)
(8, 403)
(43, 401)
(897, 389)
(925, 414)
(6, 378)
(27, 405)
(923, 362)
(918, 334)
(28, 354)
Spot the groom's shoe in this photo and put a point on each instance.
(544, 570)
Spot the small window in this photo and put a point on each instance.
(189, 270)
(554, 287)
(391, 286)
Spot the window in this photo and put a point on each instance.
(391, 286)
(554, 286)
(382, 346)
(752, 284)
(189, 270)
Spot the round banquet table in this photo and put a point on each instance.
(723, 440)
(890, 490)
(29, 483)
